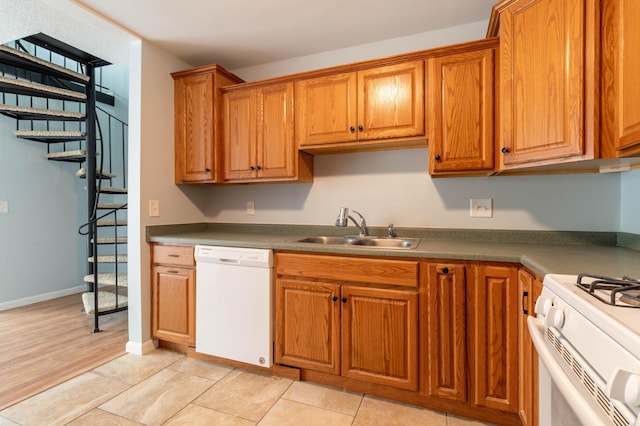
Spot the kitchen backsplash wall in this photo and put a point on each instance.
(394, 187)
(630, 202)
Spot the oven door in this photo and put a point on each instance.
(563, 401)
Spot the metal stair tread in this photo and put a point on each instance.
(111, 222)
(122, 258)
(76, 156)
(112, 190)
(109, 278)
(111, 240)
(49, 136)
(58, 69)
(82, 174)
(106, 301)
(12, 85)
(112, 206)
(28, 113)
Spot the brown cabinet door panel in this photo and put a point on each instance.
(276, 150)
(379, 336)
(240, 134)
(446, 332)
(173, 304)
(307, 322)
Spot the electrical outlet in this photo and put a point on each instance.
(481, 207)
(154, 208)
(4, 207)
(251, 208)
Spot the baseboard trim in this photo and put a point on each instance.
(5, 306)
(140, 348)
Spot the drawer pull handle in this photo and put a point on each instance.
(173, 255)
(172, 271)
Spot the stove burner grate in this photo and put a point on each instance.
(624, 292)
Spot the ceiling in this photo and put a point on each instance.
(243, 33)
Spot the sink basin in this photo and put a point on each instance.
(328, 240)
(383, 243)
(407, 243)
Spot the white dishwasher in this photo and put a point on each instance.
(234, 300)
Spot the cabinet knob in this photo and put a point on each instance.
(360, 127)
(344, 300)
(207, 170)
(437, 157)
(252, 168)
(258, 168)
(352, 129)
(335, 298)
(445, 270)
(505, 150)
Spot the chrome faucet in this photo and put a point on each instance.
(344, 217)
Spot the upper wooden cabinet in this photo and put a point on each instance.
(197, 123)
(548, 66)
(369, 105)
(258, 136)
(620, 108)
(460, 104)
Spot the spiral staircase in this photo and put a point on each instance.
(51, 89)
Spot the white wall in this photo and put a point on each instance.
(394, 186)
(630, 204)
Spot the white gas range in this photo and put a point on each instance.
(589, 351)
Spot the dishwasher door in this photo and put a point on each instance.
(234, 304)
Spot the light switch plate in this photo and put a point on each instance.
(154, 208)
(481, 207)
(4, 207)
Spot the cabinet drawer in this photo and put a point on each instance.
(352, 269)
(173, 254)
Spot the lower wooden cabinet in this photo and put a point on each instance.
(529, 289)
(173, 293)
(343, 316)
(444, 319)
(493, 336)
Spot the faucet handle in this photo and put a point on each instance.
(390, 232)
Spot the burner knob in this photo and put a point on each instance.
(554, 318)
(543, 304)
(625, 386)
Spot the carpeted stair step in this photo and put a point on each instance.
(112, 240)
(77, 156)
(122, 258)
(17, 58)
(106, 301)
(112, 190)
(50, 136)
(82, 174)
(28, 113)
(110, 222)
(109, 278)
(27, 88)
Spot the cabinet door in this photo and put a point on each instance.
(547, 87)
(276, 151)
(194, 128)
(493, 333)
(380, 336)
(460, 104)
(173, 301)
(620, 82)
(326, 110)
(445, 332)
(391, 101)
(529, 289)
(240, 134)
(307, 333)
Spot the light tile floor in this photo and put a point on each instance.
(167, 388)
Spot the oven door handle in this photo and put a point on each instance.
(583, 408)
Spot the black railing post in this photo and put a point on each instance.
(92, 193)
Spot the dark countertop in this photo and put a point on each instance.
(543, 252)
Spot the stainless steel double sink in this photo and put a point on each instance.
(383, 243)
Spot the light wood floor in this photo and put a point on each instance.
(47, 343)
